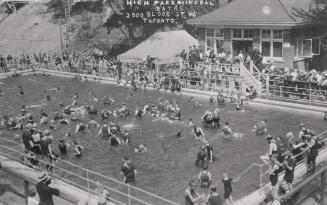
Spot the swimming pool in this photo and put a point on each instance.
(164, 173)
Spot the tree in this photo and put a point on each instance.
(123, 20)
(317, 11)
(120, 20)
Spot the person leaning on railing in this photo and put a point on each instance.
(45, 192)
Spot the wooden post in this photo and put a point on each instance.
(251, 67)
(280, 91)
(267, 85)
(26, 190)
(322, 188)
(129, 194)
(61, 43)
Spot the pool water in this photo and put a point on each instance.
(168, 165)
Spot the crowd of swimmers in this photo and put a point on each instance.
(83, 115)
(283, 153)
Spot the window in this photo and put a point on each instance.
(210, 32)
(316, 46)
(219, 33)
(278, 49)
(219, 44)
(307, 43)
(265, 49)
(300, 46)
(307, 47)
(266, 34)
(210, 44)
(296, 48)
(214, 39)
(237, 33)
(277, 34)
(248, 33)
(243, 34)
(272, 43)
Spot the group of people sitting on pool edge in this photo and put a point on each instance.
(284, 154)
(235, 98)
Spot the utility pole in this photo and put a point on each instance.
(61, 43)
(68, 6)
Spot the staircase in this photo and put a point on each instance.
(252, 77)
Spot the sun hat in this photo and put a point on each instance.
(44, 177)
(28, 126)
(290, 135)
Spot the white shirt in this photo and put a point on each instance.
(294, 75)
(319, 78)
(240, 55)
(32, 201)
(272, 148)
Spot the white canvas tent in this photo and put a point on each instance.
(164, 46)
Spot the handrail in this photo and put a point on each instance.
(298, 88)
(13, 158)
(263, 164)
(95, 173)
(94, 182)
(247, 72)
(299, 101)
(283, 76)
(255, 68)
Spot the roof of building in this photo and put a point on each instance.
(256, 13)
(164, 46)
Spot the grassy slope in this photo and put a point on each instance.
(29, 30)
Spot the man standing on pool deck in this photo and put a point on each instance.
(272, 150)
(289, 165)
(45, 192)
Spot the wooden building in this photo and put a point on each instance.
(271, 26)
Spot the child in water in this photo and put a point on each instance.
(63, 147)
(77, 149)
(141, 148)
(227, 130)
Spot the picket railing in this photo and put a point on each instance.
(86, 179)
